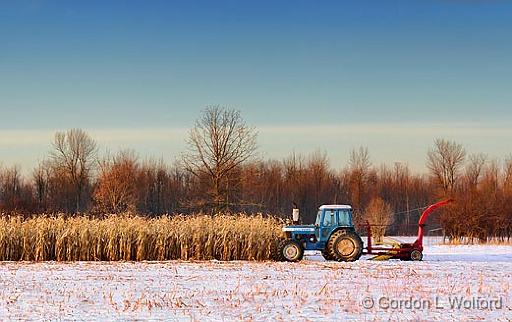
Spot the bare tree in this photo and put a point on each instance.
(360, 159)
(401, 183)
(115, 190)
(157, 187)
(445, 162)
(380, 215)
(74, 153)
(507, 180)
(319, 178)
(219, 143)
(490, 181)
(293, 173)
(10, 185)
(15, 193)
(474, 169)
(358, 177)
(41, 177)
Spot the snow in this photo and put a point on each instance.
(469, 253)
(335, 207)
(480, 275)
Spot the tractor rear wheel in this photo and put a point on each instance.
(290, 250)
(345, 246)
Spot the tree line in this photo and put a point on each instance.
(219, 172)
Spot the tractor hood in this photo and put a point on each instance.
(300, 228)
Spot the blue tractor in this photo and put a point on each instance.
(333, 234)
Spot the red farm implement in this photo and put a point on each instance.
(397, 250)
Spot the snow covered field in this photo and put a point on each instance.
(479, 278)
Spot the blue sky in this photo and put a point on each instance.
(327, 75)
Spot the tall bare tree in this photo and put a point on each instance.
(474, 169)
(507, 180)
(10, 188)
(219, 143)
(445, 161)
(41, 177)
(74, 153)
(358, 177)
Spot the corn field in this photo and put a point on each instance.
(134, 238)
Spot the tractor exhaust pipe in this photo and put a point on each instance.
(295, 214)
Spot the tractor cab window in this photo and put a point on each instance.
(345, 217)
(329, 218)
(318, 217)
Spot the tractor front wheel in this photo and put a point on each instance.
(345, 246)
(290, 250)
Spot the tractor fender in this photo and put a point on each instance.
(344, 229)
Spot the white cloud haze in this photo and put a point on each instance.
(387, 143)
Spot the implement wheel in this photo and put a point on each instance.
(416, 255)
(290, 250)
(345, 246)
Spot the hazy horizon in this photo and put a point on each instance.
(413, 140)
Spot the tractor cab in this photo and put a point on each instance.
(333, 216)
(330, 218)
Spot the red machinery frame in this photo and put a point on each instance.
(403, 251)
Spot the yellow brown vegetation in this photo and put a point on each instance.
(134, 238)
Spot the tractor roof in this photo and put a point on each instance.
(335, 207)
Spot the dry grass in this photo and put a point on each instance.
(133, 238)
